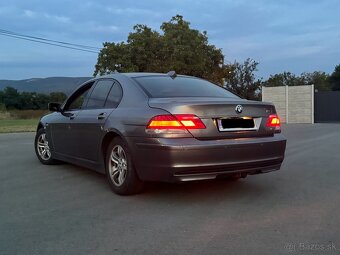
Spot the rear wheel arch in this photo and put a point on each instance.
(106, 143)
(120, 171)
(107, 140)
(40, 126)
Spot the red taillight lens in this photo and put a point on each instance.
(164, 122)
(177, 121)
(274, 122)
(190, 121)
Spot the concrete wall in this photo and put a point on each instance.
(277, 96)
(294, 104)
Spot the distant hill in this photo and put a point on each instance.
(45, 85)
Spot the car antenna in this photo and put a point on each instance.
(172, 74)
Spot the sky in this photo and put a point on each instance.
(286, 35)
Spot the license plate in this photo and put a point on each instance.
(238, 124)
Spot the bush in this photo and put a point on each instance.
(14, 100)
(2, 107)
(4, 115)
(27, 114)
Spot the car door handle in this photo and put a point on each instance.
(101, 116)
(72, 116)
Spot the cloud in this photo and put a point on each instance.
(282, 35)
(132, 11)
(62, 19)
(45, 15)
(29, 13)
(106, 29)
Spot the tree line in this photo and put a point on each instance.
(182, 49)
(187, 51)
(241, 80)
(11, 99)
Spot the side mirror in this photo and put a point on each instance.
(54, 107)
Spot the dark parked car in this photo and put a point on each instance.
(138, 127)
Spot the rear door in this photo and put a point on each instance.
(104, 98)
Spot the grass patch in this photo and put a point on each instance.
(20, 120)
(27, 114)
(23, 125)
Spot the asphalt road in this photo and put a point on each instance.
(65, 209)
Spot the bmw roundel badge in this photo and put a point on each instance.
(238, 108)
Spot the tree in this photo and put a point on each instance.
(27, 101)
(2, 107)
(334, 79)
(57, 97)
(179, 48)
(41, 101)
(282, 79)
(242, 80)
(145, 48)
(11, 98)
(318, 78)
(2, 96)
(188, 51)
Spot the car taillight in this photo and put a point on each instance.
(273, 121)
(176, 121)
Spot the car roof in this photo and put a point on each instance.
(135, 75)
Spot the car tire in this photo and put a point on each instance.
(42, 149)
(120, 171)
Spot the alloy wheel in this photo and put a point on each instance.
(43, 148)
(118, 165)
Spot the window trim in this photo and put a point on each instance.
(120, 100)
(114, 81)
(148, 94)
(90, 94)
(75, 94)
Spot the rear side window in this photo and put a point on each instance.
(99, 94)
(114, 97)
(165, 86)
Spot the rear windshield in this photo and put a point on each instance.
(165, 86)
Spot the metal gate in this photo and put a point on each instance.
(327, 106)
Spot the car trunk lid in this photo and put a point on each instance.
(223, 117)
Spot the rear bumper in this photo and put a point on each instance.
(187, 159)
